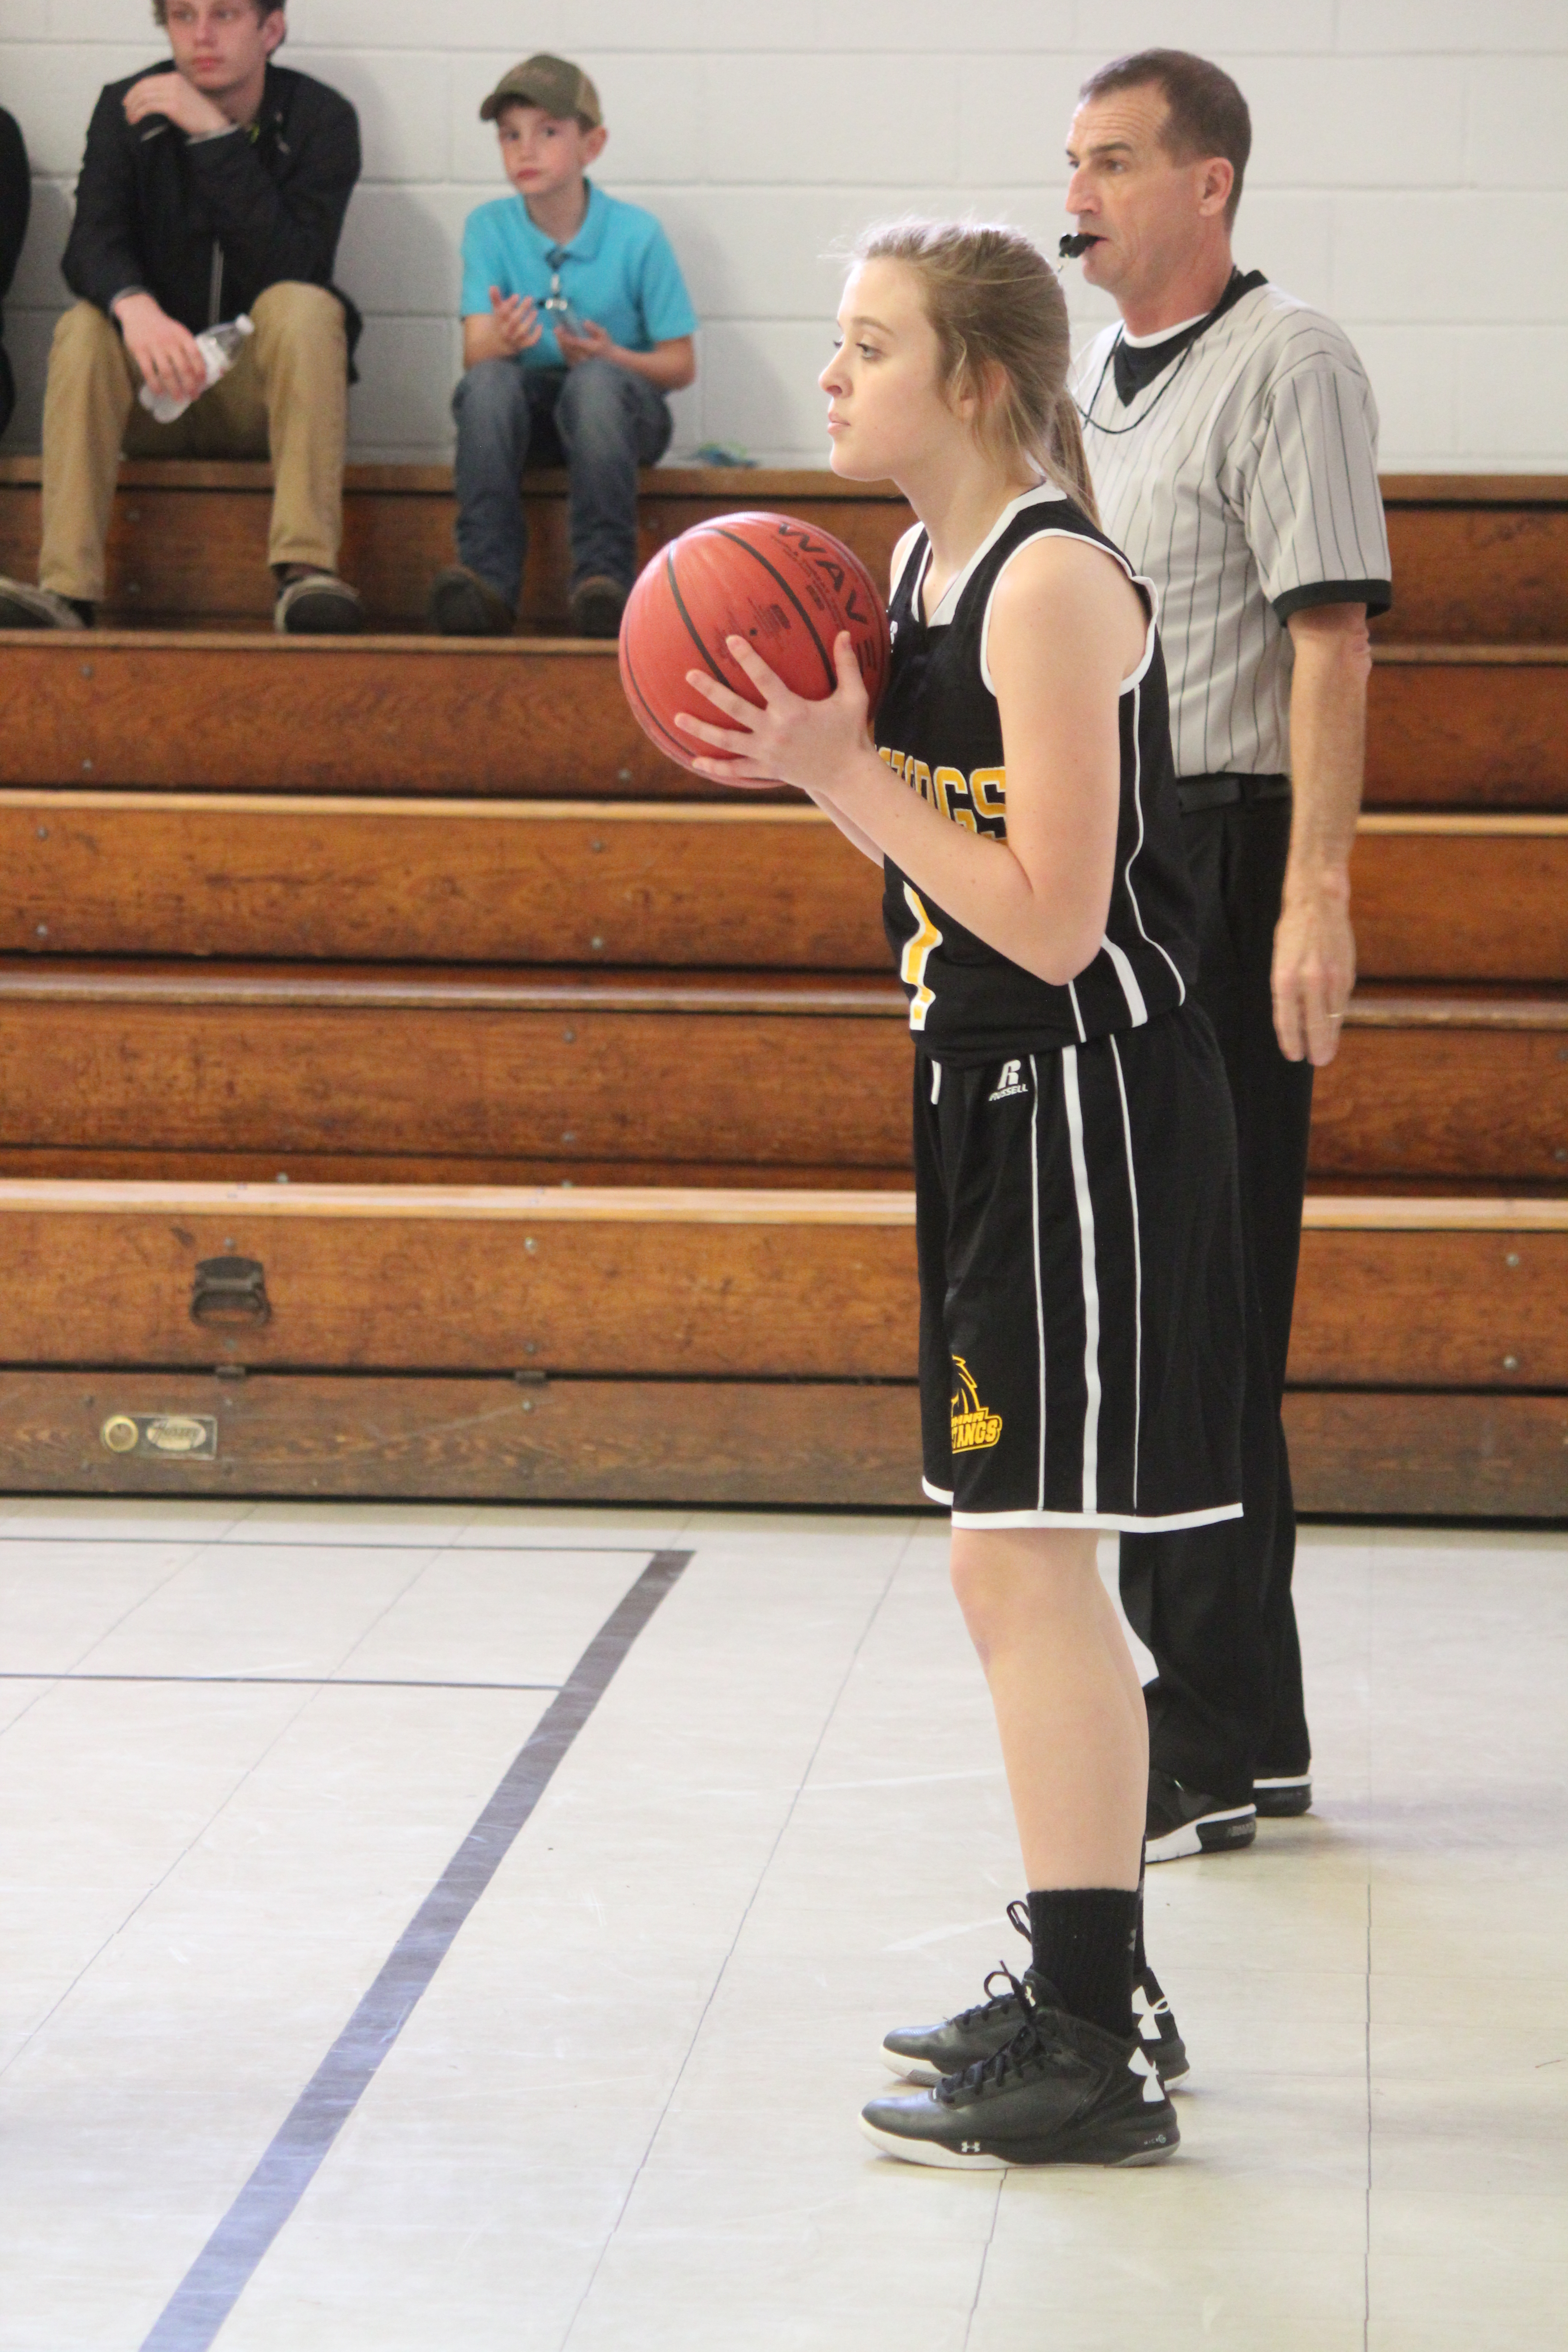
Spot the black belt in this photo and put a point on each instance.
(1225, 792)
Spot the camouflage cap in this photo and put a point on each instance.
(560, 87)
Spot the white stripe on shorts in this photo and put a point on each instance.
(1091, 1283)
(1040, 1289)
(1137, 1273)
(1127, 1523)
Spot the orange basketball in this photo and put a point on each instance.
(786, 588)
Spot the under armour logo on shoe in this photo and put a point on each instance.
(1147, 2015)
(1154, 2089)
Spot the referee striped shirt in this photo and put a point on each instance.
(1243, 480)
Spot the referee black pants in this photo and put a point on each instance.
(1214, 1603)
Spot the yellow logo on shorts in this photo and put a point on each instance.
(972, 1427)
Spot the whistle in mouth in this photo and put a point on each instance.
(1071, 247)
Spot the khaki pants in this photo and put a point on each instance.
(285, 397)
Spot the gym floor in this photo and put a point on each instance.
(736, 1807)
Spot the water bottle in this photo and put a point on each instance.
(220, 348)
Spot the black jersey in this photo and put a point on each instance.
(939, 728)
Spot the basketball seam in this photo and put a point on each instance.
(827, 662)
(689, 752)
(689, 626)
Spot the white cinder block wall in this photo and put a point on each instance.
(1410, 174)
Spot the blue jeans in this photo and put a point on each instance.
(600, 420)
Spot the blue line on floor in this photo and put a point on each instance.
(268, 1682)
(218, 2278)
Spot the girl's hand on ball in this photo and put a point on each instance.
(789, 741)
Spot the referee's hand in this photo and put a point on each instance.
(1314, 972)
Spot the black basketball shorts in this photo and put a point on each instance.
(1081, 1289)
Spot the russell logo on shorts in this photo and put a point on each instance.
(1010, 1082)
(973, 1427)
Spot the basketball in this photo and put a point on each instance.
(787, 588)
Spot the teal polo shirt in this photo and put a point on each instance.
(619, 270)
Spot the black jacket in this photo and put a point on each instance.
(16, 203)
(208, 225)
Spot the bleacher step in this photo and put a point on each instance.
(814, 1444)
(655, 1069)
(1477, 558)
(1450, 898)
(679, 884)
(371, 714)
(190, 537)
(1481, 726)
(136, 874)
(1447, 725)
(786, 1284)
(778, 1071)
(723, 883)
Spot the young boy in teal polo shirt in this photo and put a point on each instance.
(576, 326)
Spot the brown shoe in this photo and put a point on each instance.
(316, 605)
(462, 604)
(596, 607)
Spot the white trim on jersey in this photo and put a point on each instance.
(1073, 1103)
(1151, 634)
(1138, 845)
(900, 557)
(1136, 1006)
(1043, 493)
(1128, 979)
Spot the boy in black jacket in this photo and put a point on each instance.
(16, 203)
(215, 188)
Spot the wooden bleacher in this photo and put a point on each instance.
(190, 539)
(401, 922)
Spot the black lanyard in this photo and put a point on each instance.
(1115, 432)
(1235, 287)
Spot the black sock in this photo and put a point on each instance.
(1140, 1957)
(1083, 1939)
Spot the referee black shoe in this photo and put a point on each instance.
(1184, 1821)
(1282, 1795)
(1061, 2092)
(925, 2053)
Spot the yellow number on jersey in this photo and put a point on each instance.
(916, 956)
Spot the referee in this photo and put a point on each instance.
(1232, 438)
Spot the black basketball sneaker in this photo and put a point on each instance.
(1182, 1821)
(1061, 2092)
(925, 2053)
(1282, 1795)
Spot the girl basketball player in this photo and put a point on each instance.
(1080, 1323)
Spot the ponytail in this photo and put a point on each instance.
(1067, 465)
